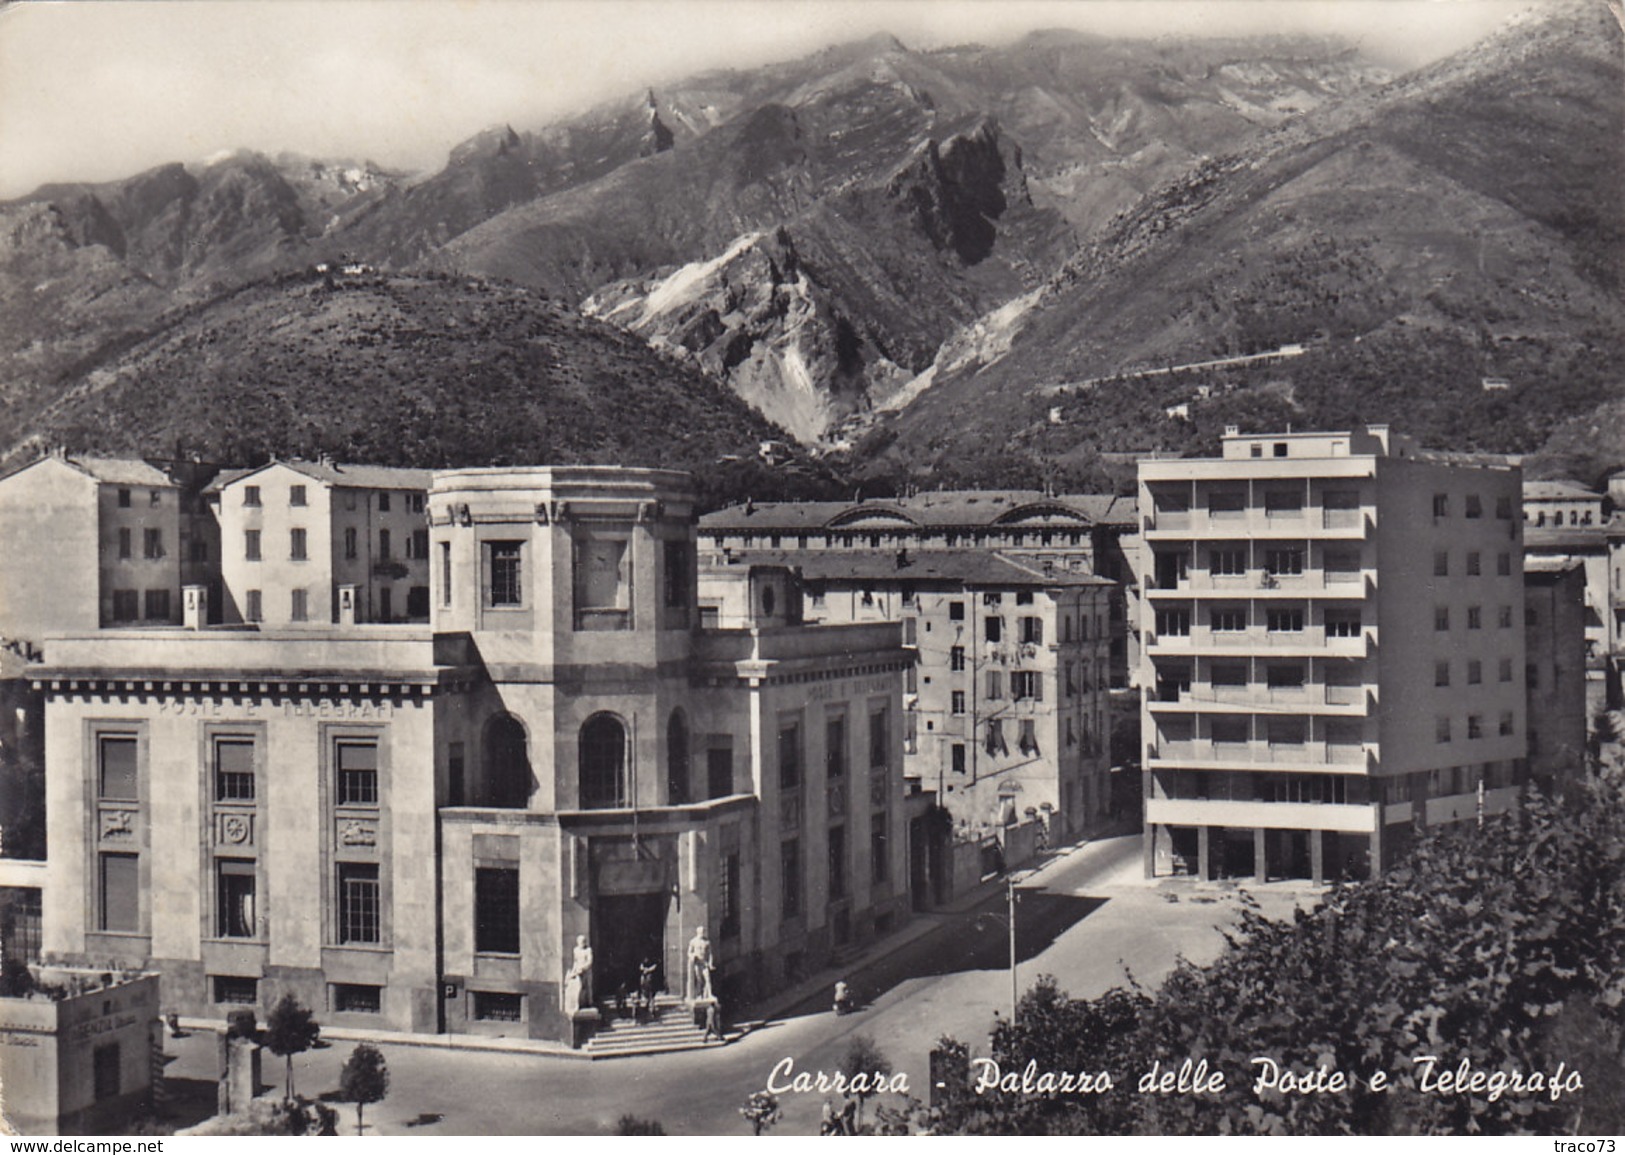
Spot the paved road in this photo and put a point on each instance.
(1084, 919)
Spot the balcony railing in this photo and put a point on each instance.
(1197, 752)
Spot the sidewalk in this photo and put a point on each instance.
(921, 924)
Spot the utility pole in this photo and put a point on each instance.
(1010, 886)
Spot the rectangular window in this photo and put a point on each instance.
(1475, 726)
(251, 495)
(1441, 617)
(992, 599)
(157, 605)
(383, 503)
(236, 990)
(1504, 670)
(152, 544)
(124, 549)
(414, 502)
(1282, 562)
(498, 1007)
(1173, 623)
(1475, 507)
(502, 568)
(995, 685)
(233, 770)
(678, 572)
(957, 757)
(993, 629)
(299, 605)
(879, 853)
(879, 739)
(234, 898)
(730, 896)
(1475, 618)
(1441, 729)
(1032, 631)
(254, 611)
(360, 903)
(1027, 684)
(837, 862)
(350, 543)
(719, 771)
(789, 755)
(1342, 623)
(126, 605)
(496, 910)
(1227, 562)
(296, 495)
(1475, 672)
(790, 877)
(117, 757)
(1504, 617)
(124, 499)
(1506, 728)
(1474, 564)
(358, 773)
(1441, 563)
(956, 658)
(956, 611)
(1441, 673)
(1284, 621)
(357, 998)
(121, 892)
(1229, 674)
(1441, 505)
(1229, 502)
(958, 702)
(383, 545)
(1283, 502)
(1027, 743)
(602, 582)
(835, 747)
(1503, 565)
(417, 546)
(445, 573)
(1227, 621)
(1503, 508)
(1228, 730)
(1285, 677)
(251, 544)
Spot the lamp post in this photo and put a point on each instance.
(1015, 994)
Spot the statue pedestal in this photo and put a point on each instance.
(701, 1007)
(583, 1024)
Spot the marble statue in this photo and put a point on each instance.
(699, 965)
(578, 980)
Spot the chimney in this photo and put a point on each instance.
(195, 606)
(347, 600)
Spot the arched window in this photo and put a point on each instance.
(507, 764)
(603, 763)
(676, 759)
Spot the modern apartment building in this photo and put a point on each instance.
(91, 542)
(314, 542)
(1007, 711)
(1334, 651)
(1555, 669)
(408, 826)
(1074, 533)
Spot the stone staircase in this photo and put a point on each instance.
(670, 1028)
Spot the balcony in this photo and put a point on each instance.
(1203, 753)
(1348, 817)
(1258, 583)
(1257, 522)
(1311, 698)
(1309, 642)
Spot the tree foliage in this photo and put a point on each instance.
(365, 1079)
(761, 1111)
(290, 1029)
(1502, 946)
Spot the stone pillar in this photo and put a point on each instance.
(1317, 856)
(1261, 854)
(1376, 849)
(1148, 849)
(239, 1074)
(1204, 853)
(195, 607)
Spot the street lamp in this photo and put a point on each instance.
(1010, 897)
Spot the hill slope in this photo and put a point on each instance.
(398, 369)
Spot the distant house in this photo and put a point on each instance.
(89, 542)
(1560, 503)
(1495, 384)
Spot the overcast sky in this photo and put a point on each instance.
(97, 90)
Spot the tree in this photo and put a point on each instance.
(864, 1066)
(761, 1110)
(365, 1079)
(290, 1030)
(632, 1125)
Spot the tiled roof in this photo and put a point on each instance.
(1558, 488)
(939, 509)
(881, 567)
(1581, 537)
(120, 470)
(337, 474)
(1551, 565)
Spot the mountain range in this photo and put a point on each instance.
(966, 265)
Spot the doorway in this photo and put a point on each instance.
(627, 929)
